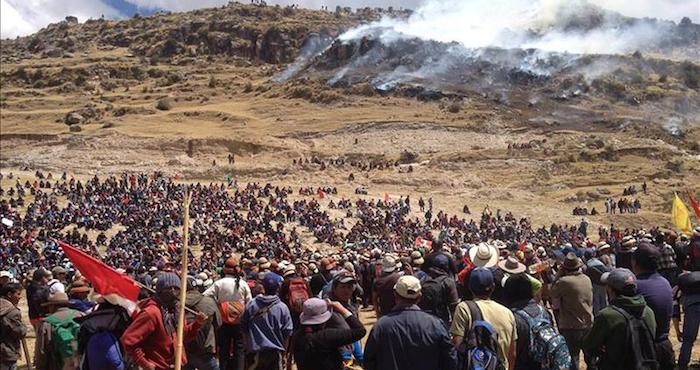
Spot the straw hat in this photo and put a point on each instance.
(57, 299)
(511, 265)
(483, 255)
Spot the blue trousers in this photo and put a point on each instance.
(202, 362)
(691, 322)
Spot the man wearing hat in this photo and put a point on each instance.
(658, 295)
(267, 324)
(694, 255)
(383, 289)
(46, 355)
(37, 293)
(56, 284)
(623, 255)
(407, 338)
(343, 290)
(201, 351)
(79, 296)
(606, 345)
(149, 339)
(572, 298)
(323, 277)
(482, 284)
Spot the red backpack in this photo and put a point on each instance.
(298, 294)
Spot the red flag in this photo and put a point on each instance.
(694, 203)
(106, 280)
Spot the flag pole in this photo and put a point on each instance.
(26, 353)
(183, 281)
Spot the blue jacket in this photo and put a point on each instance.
(266, 330)
(103, 352)
(409, 339)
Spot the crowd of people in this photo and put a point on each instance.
(622, 205)
(275, 280)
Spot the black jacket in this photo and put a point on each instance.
(318, 350)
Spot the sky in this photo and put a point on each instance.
(24, 17)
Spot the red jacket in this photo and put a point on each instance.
(147, 342)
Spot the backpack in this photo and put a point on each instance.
(547, 347)
(231, 312)
(639, 341)
(479, 351)
(434, 297)
(298, 294)
(64, 334)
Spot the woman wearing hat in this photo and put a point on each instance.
(46, 355)
(314, 344)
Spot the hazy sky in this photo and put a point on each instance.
(23, 17)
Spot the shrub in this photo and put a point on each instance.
(454, 107)
(691, 74)
(248, 87)
(163, 104)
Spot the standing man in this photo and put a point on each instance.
(150, 339)
(201, 351)
(383, 290)
(572, 298)
(267, 326)
(481, 284)
(57, 284)
(658, 294)
(407, 338)
(607, 346)
(230, 291)
(11, 326)
(53, 352)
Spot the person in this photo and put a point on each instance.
(57, 283)
(98, 337)
(53, 352)
(481, 284)
(383, 289)
(572, 298)
(595, 268)
(658, 295)
(693, 260)
(79, 296)
(520, 299)
(342, 290)
(231, 289)
(294, 292)
(689, 286)
(407, 338)
(201, 351)
(149, 339)
(323, 277)
(623, 256)
(12, 328)
(315, 346)
(267, 325)
(439, 289)
(5, 277)
(37, 294)
(606, 345)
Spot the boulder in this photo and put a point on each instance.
(74, 118)
(71, 19)
(75, 128)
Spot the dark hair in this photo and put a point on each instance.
(517, 288)
(8, 288)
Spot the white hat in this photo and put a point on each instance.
(389, 264)
(483, 255)
(6, 274)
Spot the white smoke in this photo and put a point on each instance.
(574, 26)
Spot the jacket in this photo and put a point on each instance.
(12, 330)
(147, 342)
(205, 342)
(44, 354)
(607, 337)
(409, 339)
(318, 350)
(269, 329)
(573, 296)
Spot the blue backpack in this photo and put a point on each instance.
(480, 351)
(547, 347)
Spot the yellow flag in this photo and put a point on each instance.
(680, 215)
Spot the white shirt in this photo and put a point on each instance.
(55, 286)
(224, 290)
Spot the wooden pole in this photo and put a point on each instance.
(26, 353)
(183, 282)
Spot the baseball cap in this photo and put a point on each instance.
(344, 277)
(481, 280)
(621, 280)
(408, 287)
(271, 282)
